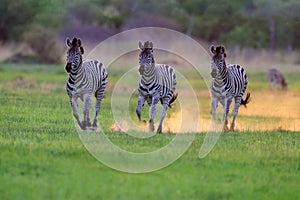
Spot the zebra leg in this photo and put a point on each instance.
(87, 104)
(228, 101)
(152, 113)
(163, 114)
(141, 100)
(149, 101)
(214, 106)
(74, 105)
(99, 96)
(222, 101)
(235, 111)
(273, 85)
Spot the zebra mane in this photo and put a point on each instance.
(147, 45)
(148, 51)
(218, 50)
(76, 42)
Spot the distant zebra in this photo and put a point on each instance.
(157, 83)
(276, 79)
(229, 81)
(86, 77)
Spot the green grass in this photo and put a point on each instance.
(42, 157)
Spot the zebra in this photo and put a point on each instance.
(229, 81)
(157, 83)
(275, 78)
(86, 77)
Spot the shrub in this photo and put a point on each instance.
(44, 44)
(245, 36)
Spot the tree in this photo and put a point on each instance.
(15, 16)
(274, 11)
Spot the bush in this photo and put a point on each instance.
(44, 44)
(245, 36)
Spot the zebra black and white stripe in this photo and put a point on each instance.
(86, 77)
(157, 83)
(229, 81)
(276, 79)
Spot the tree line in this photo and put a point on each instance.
(269, 24)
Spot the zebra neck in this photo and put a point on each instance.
(149, 76)
(76, 70)
(222, 76)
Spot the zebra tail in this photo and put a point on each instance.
(247, 100)
(174, 97)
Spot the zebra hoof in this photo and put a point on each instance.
(159, 130)
(225, 128)
(88, 124)
(142, 122)
(82, 126)
(151, 128)
(94, 126)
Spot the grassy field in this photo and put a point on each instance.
(42, 157)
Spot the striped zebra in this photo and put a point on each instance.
(157, 83)
(276, 79)
(86, 77)
(229, 81)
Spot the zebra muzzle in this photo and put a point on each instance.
(213, 73)
(141, 70)
(68, 67)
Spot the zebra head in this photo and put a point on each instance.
(218, 60)
(74, 54)
(146, 58)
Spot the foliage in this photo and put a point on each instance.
(245, 36)
(44, 43)
(245, 23)
(15, 17)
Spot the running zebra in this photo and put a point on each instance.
(229, 81)
(157, 83)
(86, 77)
(276, 79)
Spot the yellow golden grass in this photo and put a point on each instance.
(268, 111)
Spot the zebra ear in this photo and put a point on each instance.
(222, 50)
(74, 42)
(151, 45)
(68, 42)
(141, 45)
(78, 42)
(82, 50)
(212, 49)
